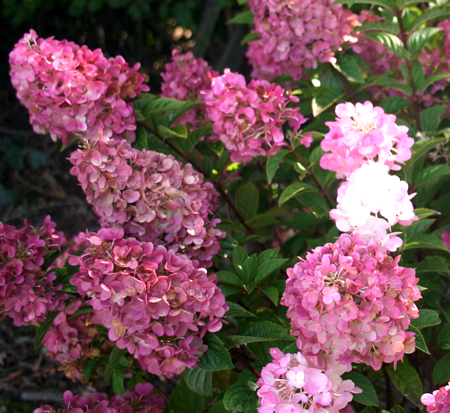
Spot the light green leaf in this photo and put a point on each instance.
(369, 396)
(425, 213)
(390, 83)
(217, 356)
(441, 370)
(418, 227)
(427, 318)
(430, 118)
(273, 163)
(250, 38)
(432, 79)
(43, 328)
(419, 339)
(348, 66)
(427, 15)
(114, 360)
(295, 189)
(324, 99)
(425, 241)
(407, 381)
(247, 200)
(422, 147)
(178, 131)
(377, 26)
(432, 173)
(117, 382)
(235, 341)
(417, 73)
(199, 381)
(272, 293)
(245, 17)
(420, 38)
(387, 4)
(391, 41)
(394, 104)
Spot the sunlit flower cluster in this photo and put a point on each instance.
(248, 119)
(150, 195)
(352, 301)
(439, 401)
(360, 133)
(141, 400)
(27, 291)
(155, 303)
(296, 383)
(296, 35)
(72, 92)
(184, 78)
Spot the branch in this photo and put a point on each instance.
(245, 363)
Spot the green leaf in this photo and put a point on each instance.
(250, 38)
(418, 227)
(407, 381)
(431, 173)
(348, 66)
(419, 339)
(247, 200)
(417, 73)
(387, 4)
(293, 190)
(217, 356)
(249, 270)
(239, 257)
(83, 310)
(385, 81)
(432, 79)
(425, 213)
(441, 370)
(178, 131)
(228, 277)
(235, 341)
(272, 293)
(268, 267)
(419, 38)
(114, 360)
(394, 104)
(429, 14)
(267, 329)
(268, 255)
(141, 138)
(427, 318)
(422, 147)
(237, 311)
(431, 117)
(401, 4)
(273, 163)
(324, 99)
(199, 381)
(117, 382)
(183, 400)
(245, 17)
(240, 397)
(369, 396)
(43, 328)
(425, 241)
(391, 41)
(377, 26)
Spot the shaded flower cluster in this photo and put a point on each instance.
(439, 401)
(150, 195)
(248, 119)
(27, 291)
(155, 303)
(352, 301)
(141, 400)
(72, 92)
(184, 78)
(296, 35)
(295, 383)
(360, 133)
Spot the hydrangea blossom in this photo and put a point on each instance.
(184, 78)
(248, 119)
(294, 36)
(141, 400)
(446, 238)
(352, 301)
(295, 383)
(439, 401)
(155, 303)
(150, 195)
(360, 133)
(73, 92)
(370, 191)
(27, 292)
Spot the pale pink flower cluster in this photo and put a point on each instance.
(439, 401)
(296, 35)
(141, 400)
(27, 292)
(72, 92)
(184, 78)
(295, 383)
(360, 133)
(150, 195)
(155, 303)
(71, 341)
(353, 301)
(248, 119)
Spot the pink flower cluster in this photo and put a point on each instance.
(296, 35)
(360, 133)
(184, 78)
(70, 341)
(439, 401)
(295, 383)
(27, 292)
(352, 301)
(150, 195)
(155, 303)
(446, 238)
(141, 400)
(248, 119)
(72, 92)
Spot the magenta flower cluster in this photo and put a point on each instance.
(295, 383)
(27, 291)
(155, 303)
(352, 301)
(296, 35)
(74, 93)
(248, 119)
(150, 195)
(184, 78)
(439, 401)
(141, 400)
